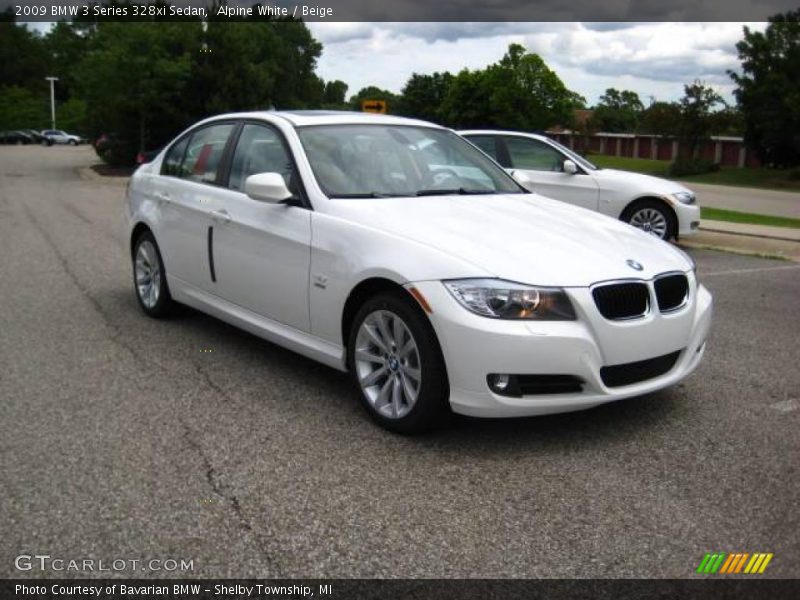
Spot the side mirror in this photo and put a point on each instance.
(570, 168)
(267, 187)
(522, 178)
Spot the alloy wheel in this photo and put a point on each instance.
(148, 274)
(651, 221)
(387, 364)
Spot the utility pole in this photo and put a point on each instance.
(52, 81)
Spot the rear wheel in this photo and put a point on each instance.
(397, 365)
(653, 217)
(149, 278)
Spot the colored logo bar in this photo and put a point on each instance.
(734, 563)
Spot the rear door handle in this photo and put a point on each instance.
(161, 197)
(220, 216)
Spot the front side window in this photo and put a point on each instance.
(486, 143)
(204, 153)
(533, 155)
(372, 161)
(260, 149)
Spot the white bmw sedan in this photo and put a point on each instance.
(660, 207)
(397, 251)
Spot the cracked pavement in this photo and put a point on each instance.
(123, 437)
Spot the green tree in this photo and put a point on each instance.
(22, 109)
(23, 57)
(661, 118)
(133, 77)
(697, 121)
(335, 94)
(617, 112)
(518, 92)
(526, 94)
(424, 95)
(768, 89)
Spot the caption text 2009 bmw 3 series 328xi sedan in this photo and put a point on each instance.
(396, 250)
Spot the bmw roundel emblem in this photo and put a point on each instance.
(637, 266)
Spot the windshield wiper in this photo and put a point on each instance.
(447, 192)
(368, 195)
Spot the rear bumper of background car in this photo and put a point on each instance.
(476, 347)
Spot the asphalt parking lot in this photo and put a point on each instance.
(123, 437)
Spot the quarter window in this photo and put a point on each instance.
(533, 155)
(173, 159)
(261, 150)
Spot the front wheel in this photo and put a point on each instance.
(653, 217)
(396, 364)
(73, 143)
(149, 278)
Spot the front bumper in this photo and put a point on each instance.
(475, 346)
(688, 218)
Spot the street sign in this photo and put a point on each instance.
(374, 106)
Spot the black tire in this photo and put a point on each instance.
(431, 406)
(73, 143)
(671, 230)
(164, 303)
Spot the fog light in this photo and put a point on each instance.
(505, 385)
(694, 224)
(500, 383)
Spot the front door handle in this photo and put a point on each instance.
(221, 216)
(161, 197)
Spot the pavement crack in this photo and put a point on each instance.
(114, 334)
(225, 493)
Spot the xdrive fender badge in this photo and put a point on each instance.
(636, 266)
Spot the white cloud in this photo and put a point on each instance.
(653, 59)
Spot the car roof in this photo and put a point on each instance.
(302, 118)
(535, 136)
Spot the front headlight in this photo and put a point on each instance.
(500, 299)
(684, 197)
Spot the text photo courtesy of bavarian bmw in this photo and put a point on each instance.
(396, 250)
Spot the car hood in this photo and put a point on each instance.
(614, 179)
(520, 237)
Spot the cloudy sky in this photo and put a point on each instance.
(653, 59)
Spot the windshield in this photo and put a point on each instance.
(575, 156)
(375, 161)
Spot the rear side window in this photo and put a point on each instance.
(204, 153)
(486, 143)
(173, 159)
(260, 149)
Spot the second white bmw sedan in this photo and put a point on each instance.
(397, 251)
(660, 207)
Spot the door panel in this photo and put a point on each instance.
(262, 257)
(543, 164)
(262, 251)
(184, 191)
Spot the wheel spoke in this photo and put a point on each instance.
(407, 348)
(412, 372)
(375, 337)
(387, 337)
(372, 378)
(397, 396)
(408, 389)
(398, 331)
(383, 397)
(364, 354)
